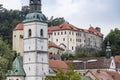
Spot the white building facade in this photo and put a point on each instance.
(70, 37)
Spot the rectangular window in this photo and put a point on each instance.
(54, 33)
(72, 47)
(65, 32)
(63, 39)
(57, 40)
(76, 34)
(69, 32)
(80, 40)
(61, 33)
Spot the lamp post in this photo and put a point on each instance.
(85, 63)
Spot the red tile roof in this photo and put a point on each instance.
(52, 44)
(64, 26)
(19, 27)
(117, 60)
(101, 75)
(105, 75)
(94, 31)
(58, 64)
(114, 75)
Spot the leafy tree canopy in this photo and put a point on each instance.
(56, 21)
(69, 75)
(6, 58)
(114, 38)
(8, 20)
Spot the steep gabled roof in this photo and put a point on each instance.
(94, 31)
(117, 61)
(58, 64)
(114, 75)
(101, 75)
(52, 44)
(105, 75)
(17, 68)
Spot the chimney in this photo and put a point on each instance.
(98, 71)
(98, 29)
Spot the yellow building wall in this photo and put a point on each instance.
(18, 41)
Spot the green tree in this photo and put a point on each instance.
(56, 21)
(67, 57)
(114, 38)
(6, 58)
(8, 20)
(69, 75)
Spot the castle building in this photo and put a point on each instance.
(66, 36)
(70, 37)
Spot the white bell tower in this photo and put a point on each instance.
(35, 57)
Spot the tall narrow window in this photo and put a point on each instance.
(41, 32)
(29, 33)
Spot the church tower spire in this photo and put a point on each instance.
(35, 12)
(35, 5)
(108, 50)
(35, 56)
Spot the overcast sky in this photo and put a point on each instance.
(81, 13)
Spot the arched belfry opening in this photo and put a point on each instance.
(29, 33)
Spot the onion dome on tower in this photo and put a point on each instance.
(35, 12)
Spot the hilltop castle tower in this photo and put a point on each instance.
(35, 58)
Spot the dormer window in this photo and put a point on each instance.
(29, 33)
(41, 32)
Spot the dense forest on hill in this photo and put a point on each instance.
(8, 20)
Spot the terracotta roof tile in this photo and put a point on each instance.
(64, 26)
(117, 60)
(52, 44)
(114, 75)
(19, 26)
(101, 75)
(94, 31)
(56, 64)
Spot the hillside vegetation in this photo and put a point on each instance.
(8, 20)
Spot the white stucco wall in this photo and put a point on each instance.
(55, 50)
(35, 51)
